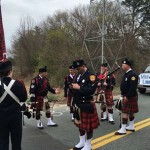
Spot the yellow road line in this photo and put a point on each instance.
(101, 141)
(112, 133)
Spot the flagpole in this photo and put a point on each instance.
(2, 38)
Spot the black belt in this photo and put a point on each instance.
(87, 98)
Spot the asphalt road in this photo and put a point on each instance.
(65, 136)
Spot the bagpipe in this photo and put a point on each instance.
(100, 95)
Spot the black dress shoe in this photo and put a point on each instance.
(104, 119)
(54, 125)
(111, 122)
(75, 148)
(118, 133)
(131, 130)
(40, 127)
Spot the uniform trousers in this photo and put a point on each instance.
(11, 126)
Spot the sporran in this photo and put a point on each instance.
(119, 104)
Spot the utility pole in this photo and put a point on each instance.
(104, 29)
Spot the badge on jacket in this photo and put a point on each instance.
(92, 78)
(133, 78)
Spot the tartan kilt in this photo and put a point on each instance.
(39, 106)
(89, 121)
(131, 106)
(69, 100)
(39, 103)
(109, 97)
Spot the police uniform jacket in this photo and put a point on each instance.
(40, 87)
(87, 88)
(9, 106)
(129, 84)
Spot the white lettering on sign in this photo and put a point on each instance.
(144, 79)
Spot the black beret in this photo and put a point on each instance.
(5, 66)
(127, 62)
(71, 67)
(78, 63)
(44, 69)
(104, 65)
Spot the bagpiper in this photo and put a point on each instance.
(39, 89)
(69, 79)
(85, 113)
(104, 93)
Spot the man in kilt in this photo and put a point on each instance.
(85, 113)
(128, 89)
(39, 89)
(68, 91)
(106, 86)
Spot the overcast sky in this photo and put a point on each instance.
(14, 10)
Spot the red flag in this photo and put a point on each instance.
(2, 39)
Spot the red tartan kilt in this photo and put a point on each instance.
(39, 103)
(69, 93)
(89, 121)
(69, 98)
(39, 106)
(131, 106)
(109, 97)
(39, 99)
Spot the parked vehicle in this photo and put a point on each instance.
(144, 81)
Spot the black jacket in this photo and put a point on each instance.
(129, 84)
(40, 86)
(68, 81)
(87, 88)
(9, 106)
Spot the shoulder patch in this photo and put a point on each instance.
(133, 78)
(92, 78)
